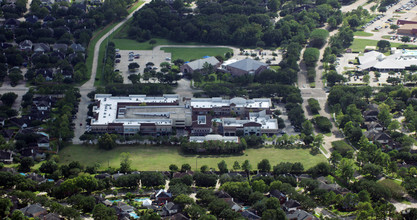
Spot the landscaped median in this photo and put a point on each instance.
(147, 158)
(99, 34)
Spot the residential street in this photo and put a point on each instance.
(88, 87)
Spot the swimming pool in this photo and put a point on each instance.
(113, 201)
(141, 199)
(133, 215)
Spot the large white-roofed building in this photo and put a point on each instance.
(139, 113)
(399, 60)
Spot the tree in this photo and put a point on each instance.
(307, 127)
(25, 164)
(318, 37)
(259, 186)
(86, 182)
(183, 200)
(133, 66)
(314, 105)
(15, 77)
(236, 165)
(384, 114)
(405, 39)
(101, 212)
(246, 166)
(125, 162)
(264, 165)
(173, 168)
(185, 167)
(106, 142)
(222, 167)
(204, 168)
(311, 56)
(383, 45)
(8, 98)
(49, 166)
(5, 206)
(345, 169)
(323, 124)
(366, 78)
(372, 170)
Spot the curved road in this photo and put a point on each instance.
(88, 87)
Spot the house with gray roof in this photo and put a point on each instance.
(40, 48)
(77, 47)
(246, 66)
(60, 47)
(300, 215)
(197, 65)
(26, 45)
(34, 210)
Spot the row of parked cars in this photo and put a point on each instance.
(408, 6)
(131, 56)
(373, 20)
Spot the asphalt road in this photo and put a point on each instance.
(88, 87)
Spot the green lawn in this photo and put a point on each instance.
(194, 53)
(359, 45)
(362, 33)
(160, 157)
(128, 44)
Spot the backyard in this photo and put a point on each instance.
(147, 158)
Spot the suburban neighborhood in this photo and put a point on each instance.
(182, 109)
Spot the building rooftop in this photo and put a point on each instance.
(400, 59)
(247, 64)
(239, 102)
(129, 109)
(199, 64)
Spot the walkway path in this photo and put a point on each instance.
(88, 87)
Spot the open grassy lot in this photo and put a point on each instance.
(128, 44)
(188, 54)
(160, 157)
(362, 33)
(359, 45)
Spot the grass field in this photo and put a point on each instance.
(128, 44)
(160, 157)
(362, 33)
(188, 54)
(359, 45)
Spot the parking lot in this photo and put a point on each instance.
(380, 25)
(145, 56)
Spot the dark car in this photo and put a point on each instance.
(117, 61)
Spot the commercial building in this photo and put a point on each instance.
(198, 65)
(218, 106)
(201, 116)
(245, 67)
(400, 59)
(258, 123)
(407, 27)
(139, 113)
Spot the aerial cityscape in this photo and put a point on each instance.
(208, 109)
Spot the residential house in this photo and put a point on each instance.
(279, 195)
(200, 64)
(291, 205)
(41, 48)
(52, 216)
(222, 194)
(177, 216)
(170, 209)
(250, 215)
(49, 18)
(246, 67)
(117, 175)
(233, 205)
(123, 208)
(182, 174)
(37, 178)
(11, 23)
(43, 141)
(26, 45)
(77, 48)
(34, 211)
(102, 176)
(48, 74)
(371, 114)
(301, 215)
(375, 126)
(162, 196)
(7, 133)
(6, 156)
(47, 2)
(60, 47)
(32, 19)
(376, 136)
